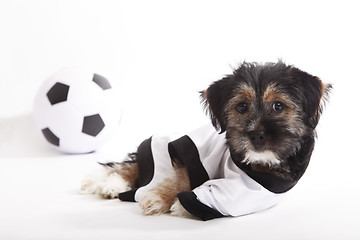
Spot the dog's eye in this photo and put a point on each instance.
(242, 107)
(278, 107)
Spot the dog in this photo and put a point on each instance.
(255, 149)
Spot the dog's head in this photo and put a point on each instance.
(265, 110)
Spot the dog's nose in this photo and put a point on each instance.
(257, 137)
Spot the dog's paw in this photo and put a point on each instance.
(153, 204)
(112, 186)
(178, 210)
(90, 184)
(104, 184)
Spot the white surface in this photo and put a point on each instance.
(161, 53)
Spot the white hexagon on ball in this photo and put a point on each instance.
(76, 110)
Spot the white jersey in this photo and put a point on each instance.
(220, 186)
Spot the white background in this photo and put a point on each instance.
(160, 54)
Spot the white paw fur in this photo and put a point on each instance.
(104, 183)
(178, 210)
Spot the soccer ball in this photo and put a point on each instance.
(76, 110)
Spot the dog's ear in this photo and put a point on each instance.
(315, 94)
(215, 100)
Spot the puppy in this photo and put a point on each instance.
(256, 148)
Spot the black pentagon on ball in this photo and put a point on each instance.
(101, 82)
(51, 137)
(92, 125)
(58, 93)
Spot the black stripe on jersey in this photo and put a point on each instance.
(184, 152)
(189, 201)
(145, 161)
